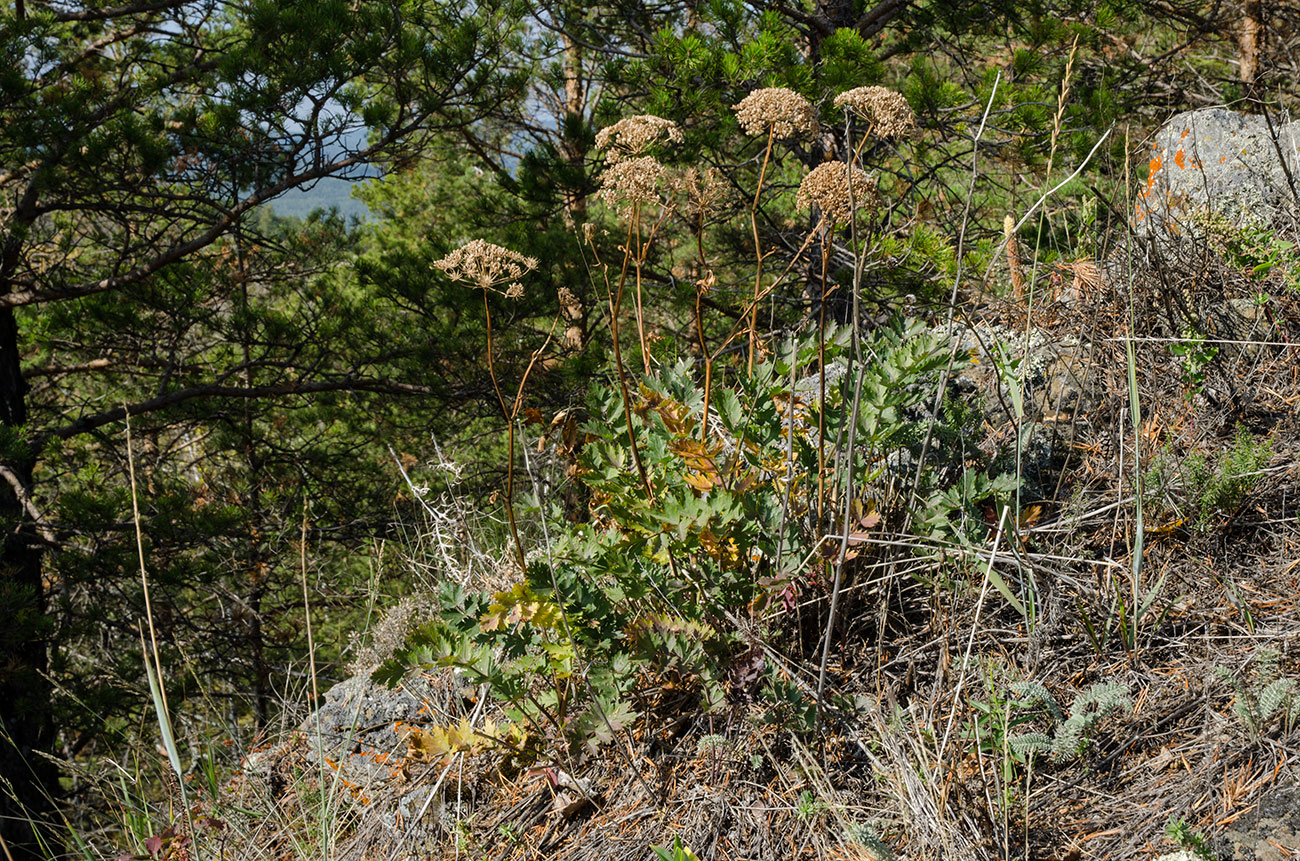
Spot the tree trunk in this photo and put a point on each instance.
(572, 306)
(1250, 34)
(28, 779)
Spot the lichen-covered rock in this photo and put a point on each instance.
(1222, 164)
(353, 753)
(1270, 832)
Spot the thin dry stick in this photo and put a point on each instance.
(1053, 190)
(758, 249)
(144, 578)
(753, 304)
(970, 642)
(827, 243)
(789, 458)
(306, 605)
(615, 304)
(701, 287)
(640, 317)
(510, 437)
(510, 413)
(852, 418)
(1016, 280)
(942, 385)
(643, 252)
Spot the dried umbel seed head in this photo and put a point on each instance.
(631, 182)
(784, 111)
(702, 191)
(888, 112)
(631, 136)
(486, 266)
(827, 186)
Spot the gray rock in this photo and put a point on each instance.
(1219, 163)
(352, 750)
(1270, 832)
(1053, 377)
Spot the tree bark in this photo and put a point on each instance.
(28, 779)
(573, 306)
(1250, 34)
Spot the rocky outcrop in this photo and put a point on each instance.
(353, 752)
(1270, 832)
(1222, 164)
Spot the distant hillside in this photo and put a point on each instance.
(329, 192)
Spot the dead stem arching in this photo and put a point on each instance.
(486, 267)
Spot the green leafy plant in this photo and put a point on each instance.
(1264, 696)
(1195, 357)
(990, 728)
(709, 487)
(647, 589)
(1259, 250)
(808, 806)
(1199, 492)
(867, 840)
(1216, 490)
(678, 852)
(1194, 847)
(962, 512)
(1070, 734)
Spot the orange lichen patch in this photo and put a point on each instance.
(1156, 164)
(1180, 158)
(1185, 133)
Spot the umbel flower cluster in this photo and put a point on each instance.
(632, 136)
(487, 267)
(785, 112)
(703, 192)
(888, 112)
(627, 183)
(827, 186)
(633, 177)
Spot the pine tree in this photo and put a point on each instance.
(137, 143)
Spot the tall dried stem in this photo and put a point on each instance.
(827, 244)
(507, 413)
(758, 248)
(615, 305)
(638, 260)
(701, 287)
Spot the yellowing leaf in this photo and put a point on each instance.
(427, 745)
(521, 604)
